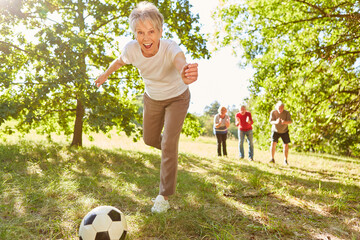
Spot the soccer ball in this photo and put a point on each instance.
(103, 223)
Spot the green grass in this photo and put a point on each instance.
(47, 188)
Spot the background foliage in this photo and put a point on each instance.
(305, 53)
(52, 51)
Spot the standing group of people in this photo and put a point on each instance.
(279, 119)
(166, 74)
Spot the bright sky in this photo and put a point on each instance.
(220, 78)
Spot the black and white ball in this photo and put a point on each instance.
(103, 223)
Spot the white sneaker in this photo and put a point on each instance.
(160, 205)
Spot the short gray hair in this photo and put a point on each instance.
(279, 104)
(221, 108)
(146, 11)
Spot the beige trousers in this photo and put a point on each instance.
(162, 124)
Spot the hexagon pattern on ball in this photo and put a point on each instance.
(103, 223)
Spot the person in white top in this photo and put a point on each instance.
(166, 75)
(221, 125)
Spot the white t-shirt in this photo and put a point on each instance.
(162, 80)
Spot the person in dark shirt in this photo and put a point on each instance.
(280, 119)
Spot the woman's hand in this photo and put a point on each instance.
(101, 79)
(189, 73)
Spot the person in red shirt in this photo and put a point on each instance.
(244, 123)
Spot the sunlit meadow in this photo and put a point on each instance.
(47, 188)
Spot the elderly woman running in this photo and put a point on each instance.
(166, 75)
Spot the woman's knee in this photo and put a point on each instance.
(151, 141)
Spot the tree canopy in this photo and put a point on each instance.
(212, 109)
(305, 53)
(52, 51)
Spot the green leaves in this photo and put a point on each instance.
(192, 126)
(49, 66)
(305, 53)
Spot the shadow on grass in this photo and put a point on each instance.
(336, 158)
(47, 189)
(287, 206)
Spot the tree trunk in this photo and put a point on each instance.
(80, 112)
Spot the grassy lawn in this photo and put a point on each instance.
(47, 188)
